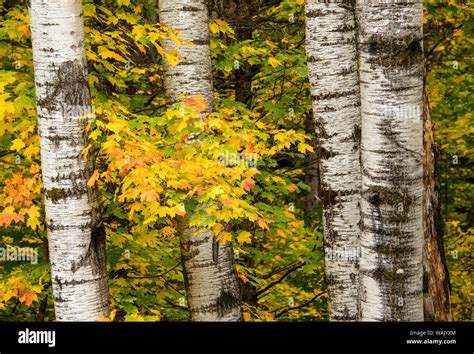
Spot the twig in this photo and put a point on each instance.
(300, 306)
(280, 279)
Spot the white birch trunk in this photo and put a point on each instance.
(209, 270)
(76, 241)
(391, 75)
(332, 65)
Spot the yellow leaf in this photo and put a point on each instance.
(224, 237)
(269, 317)
(33, 214)
(278, 180)
(9, 294)
(134, 207)
(116, 127)
(106, 53)
(17, 145)
(173, 57)
(274, 62)
(244, 278)
(30, 151)
(93, 179)
(244, 237)
(302, 147)
(217, 228)
(149, 196)
(33, 223)
(35, 168)
(247, 317)
(150, 219)
(214, 28)
(86, 151)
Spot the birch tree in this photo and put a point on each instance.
(76, 239)
(391, 75)
(332, 65)
(208, 266)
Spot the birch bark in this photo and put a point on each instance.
(332, 65)
(76, 239)
(391, 75)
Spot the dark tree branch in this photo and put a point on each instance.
(269, 286)
(300, 306)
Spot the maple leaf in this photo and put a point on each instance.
(149, 196)
(33, 214)
(28, 297)
(214, 28)
(93, 179)
(224, 237)
(248, 184)
(244, 237)
(244, 278)
(173, 58)
(17, 145)
(217, 228)
(31, 151)
(184, 137)
(274, 62)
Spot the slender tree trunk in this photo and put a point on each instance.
(436, 287)
(391, 75)
(151, 10)
(238, 13)
(312, 175)
(240, 19)
(76, 239)
(209, 269)
(332, 64)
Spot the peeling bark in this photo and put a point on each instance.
(210, 275)
(391, 75)
(332, 65)
(76, 239)
(436, 286)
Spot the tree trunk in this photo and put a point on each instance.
(239, 16)
(436, 287)
(76, 239)
(312, 175)
(391, 75)
(151, 11)
(209, 270)
(332, 65)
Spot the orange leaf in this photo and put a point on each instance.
(248, 184)
(93, 179)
